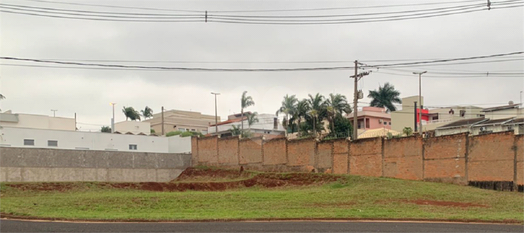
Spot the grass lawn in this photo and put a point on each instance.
(349, 197)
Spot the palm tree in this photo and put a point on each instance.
(131, 113)
(245, 102)
(316, 106)
(336, 105)
(235, 130)
(301, 111)
(2, 97)
(147, 112)
(288, 107)
(407, 131)
(252, 119)
(385, 97)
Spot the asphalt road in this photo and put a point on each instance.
(298, 226)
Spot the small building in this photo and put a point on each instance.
(33, 121)
(267, 126)
(501, 112)
(178, 120)
(133, 127)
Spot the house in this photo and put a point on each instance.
(431, 118)
(372, 118)
(33, 121)
(178, 120)
(267, 126)
(380, 132)
(494, 119)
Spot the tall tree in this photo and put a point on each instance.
(316, 106)
(385, 97)
(245, 101)
(288, 107)
(147, 112)
(252, 119)
(105, 129)
(336, 104)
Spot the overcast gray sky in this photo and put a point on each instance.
(88, 92)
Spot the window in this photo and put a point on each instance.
(367, 123)
(53, 143)
(390, 123)
(132, 147)
(29, 142)
(181, 129)
(204, 131)
(385, 123)
(462, 113)
(193, 130)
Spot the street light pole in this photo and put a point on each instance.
(216, 117)
(113, 119)
(54, 111)
(420, 99)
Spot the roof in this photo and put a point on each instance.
(370, 114)
(464, 122)
(517, 121)
(229, 121)
(496, 121)
(500, 108)
(380, 132)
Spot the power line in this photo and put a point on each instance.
(141, 67)
(251, 19)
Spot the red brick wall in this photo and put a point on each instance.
(324, 156)
(301, 152)
(445, 158)
(520, 159)
(340, 156)
(228, 151)
(194, 151)
(275, 151)
(403, 158)
(207, 150)
(365, 157)
(250, 150)
(491, 157)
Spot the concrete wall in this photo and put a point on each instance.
(459, 158)
(14, 137)
(53, 165)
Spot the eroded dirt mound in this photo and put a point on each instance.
(199, 179)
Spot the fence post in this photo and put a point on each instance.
(423, 158)
(349, 156)
(382, 154)
(515, 171)
(466, 159)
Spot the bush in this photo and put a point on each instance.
(186, 134)
(174, 133)
(153, 131)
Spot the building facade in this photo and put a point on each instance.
(76, 140)
(178, 120)
(133, 127)
(267, 125)
(33, 121)
(372, 118)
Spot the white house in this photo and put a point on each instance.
(33, 121)
(134, 127)
(267, 124)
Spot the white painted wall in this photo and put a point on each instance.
(134, 127)
(14, 137)
(265, 122)
(502, 114)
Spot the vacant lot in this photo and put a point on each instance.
(213, 194)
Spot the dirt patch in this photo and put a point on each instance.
(446, 203)
(186, 181)
(60, 187)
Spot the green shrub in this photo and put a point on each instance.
(174, 133)
(186, 134)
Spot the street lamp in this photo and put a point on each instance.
(54, 111)
(113, 119)
(419, 99)
(216, 118)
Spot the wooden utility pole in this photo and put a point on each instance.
(162, 120)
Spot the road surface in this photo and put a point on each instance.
(292, 226)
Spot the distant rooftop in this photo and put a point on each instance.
(509, 106)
